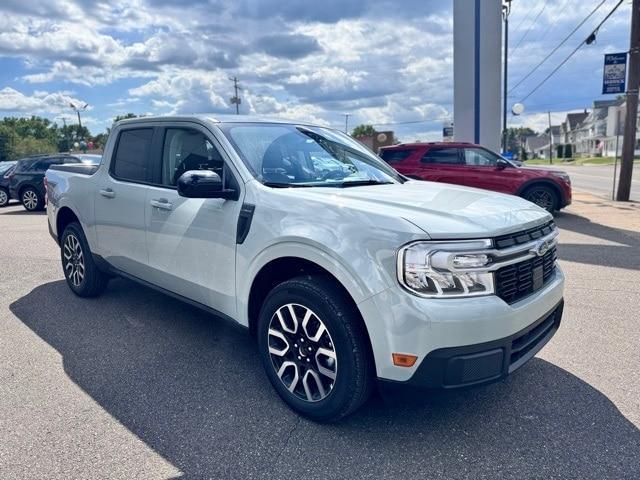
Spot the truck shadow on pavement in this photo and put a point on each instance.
(625, 253)
(192, 388)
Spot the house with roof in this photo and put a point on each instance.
(537, 146)
(601, 130)
(569, 129)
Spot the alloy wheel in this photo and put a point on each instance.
(73, 260)
(30, 200)
(4, 198)
(542, 198)
(302, 352)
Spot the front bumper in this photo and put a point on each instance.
(436, 330)
(473, 365)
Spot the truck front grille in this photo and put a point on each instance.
(525, 236)
(514, 282)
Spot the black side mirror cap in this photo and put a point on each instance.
(204, 184)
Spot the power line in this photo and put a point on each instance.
(588, 39)
(555, 20)
(557, 46)
(530, 27)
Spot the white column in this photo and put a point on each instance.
(477, 54)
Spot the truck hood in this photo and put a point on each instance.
(441, 210)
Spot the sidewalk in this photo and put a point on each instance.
(618, 215)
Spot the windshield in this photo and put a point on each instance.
(284, 155)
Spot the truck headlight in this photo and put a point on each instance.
(446, 269)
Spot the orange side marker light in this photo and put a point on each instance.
(404, 359)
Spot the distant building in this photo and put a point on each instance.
(537, 146)
(380, 139)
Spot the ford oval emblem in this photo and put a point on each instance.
(541, 248)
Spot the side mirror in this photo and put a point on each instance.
(203, 184)
(501, 164)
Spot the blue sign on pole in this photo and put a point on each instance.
(614, 73)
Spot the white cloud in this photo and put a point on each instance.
(41, 102)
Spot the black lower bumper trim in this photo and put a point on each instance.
(472, 365)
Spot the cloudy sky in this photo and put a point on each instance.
(386, 62)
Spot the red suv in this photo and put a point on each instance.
(475, 166)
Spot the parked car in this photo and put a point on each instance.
(26, 181)
(5, 170)
(346, 272)
(475, 166)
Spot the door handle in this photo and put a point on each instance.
(107, 192)
(161, 203)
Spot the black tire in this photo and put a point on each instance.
(354, 365)
(91, 282)
(31, 199)
(4, 197)
(543, 196)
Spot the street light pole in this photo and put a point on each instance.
(506, 10)
(77, 110)
(346, 122)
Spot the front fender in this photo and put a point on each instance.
(360, 284)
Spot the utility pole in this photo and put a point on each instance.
(346, 122)
(631, 118)
(236, 99)
(550, 140)
(506, 10)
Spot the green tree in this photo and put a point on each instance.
(100, 140)
(363, 131)
(516, 138)
(125, 116)
(32, 146)
(67, 135)
(8, 140)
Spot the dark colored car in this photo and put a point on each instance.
(5, 171)
(475, 166)
(26, 180)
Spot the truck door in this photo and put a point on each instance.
(192, 241)
(120, 202)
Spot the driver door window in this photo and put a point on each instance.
(478, 157)
(186, 149)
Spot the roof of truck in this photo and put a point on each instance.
(212, 117)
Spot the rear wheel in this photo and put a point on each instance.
(314, 348)
(31, 200)
(4, 197)
(82, 275)
(542, 196)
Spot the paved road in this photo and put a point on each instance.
(138, 385)
(598, 180)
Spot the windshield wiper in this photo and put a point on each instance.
(286, 185)
(359, 183)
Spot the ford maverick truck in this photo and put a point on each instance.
(348, 273)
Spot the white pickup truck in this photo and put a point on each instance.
(346, 272)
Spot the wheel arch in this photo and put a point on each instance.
(281, 269)
(64, 217)
(545, 183)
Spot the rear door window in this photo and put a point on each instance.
(442, 156)
(395, 156)
(131, 159)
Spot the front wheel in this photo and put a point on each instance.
(542, 196)
(4, 197)
(82, 274)
(314, 348)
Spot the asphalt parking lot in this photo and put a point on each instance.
(138, 385)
